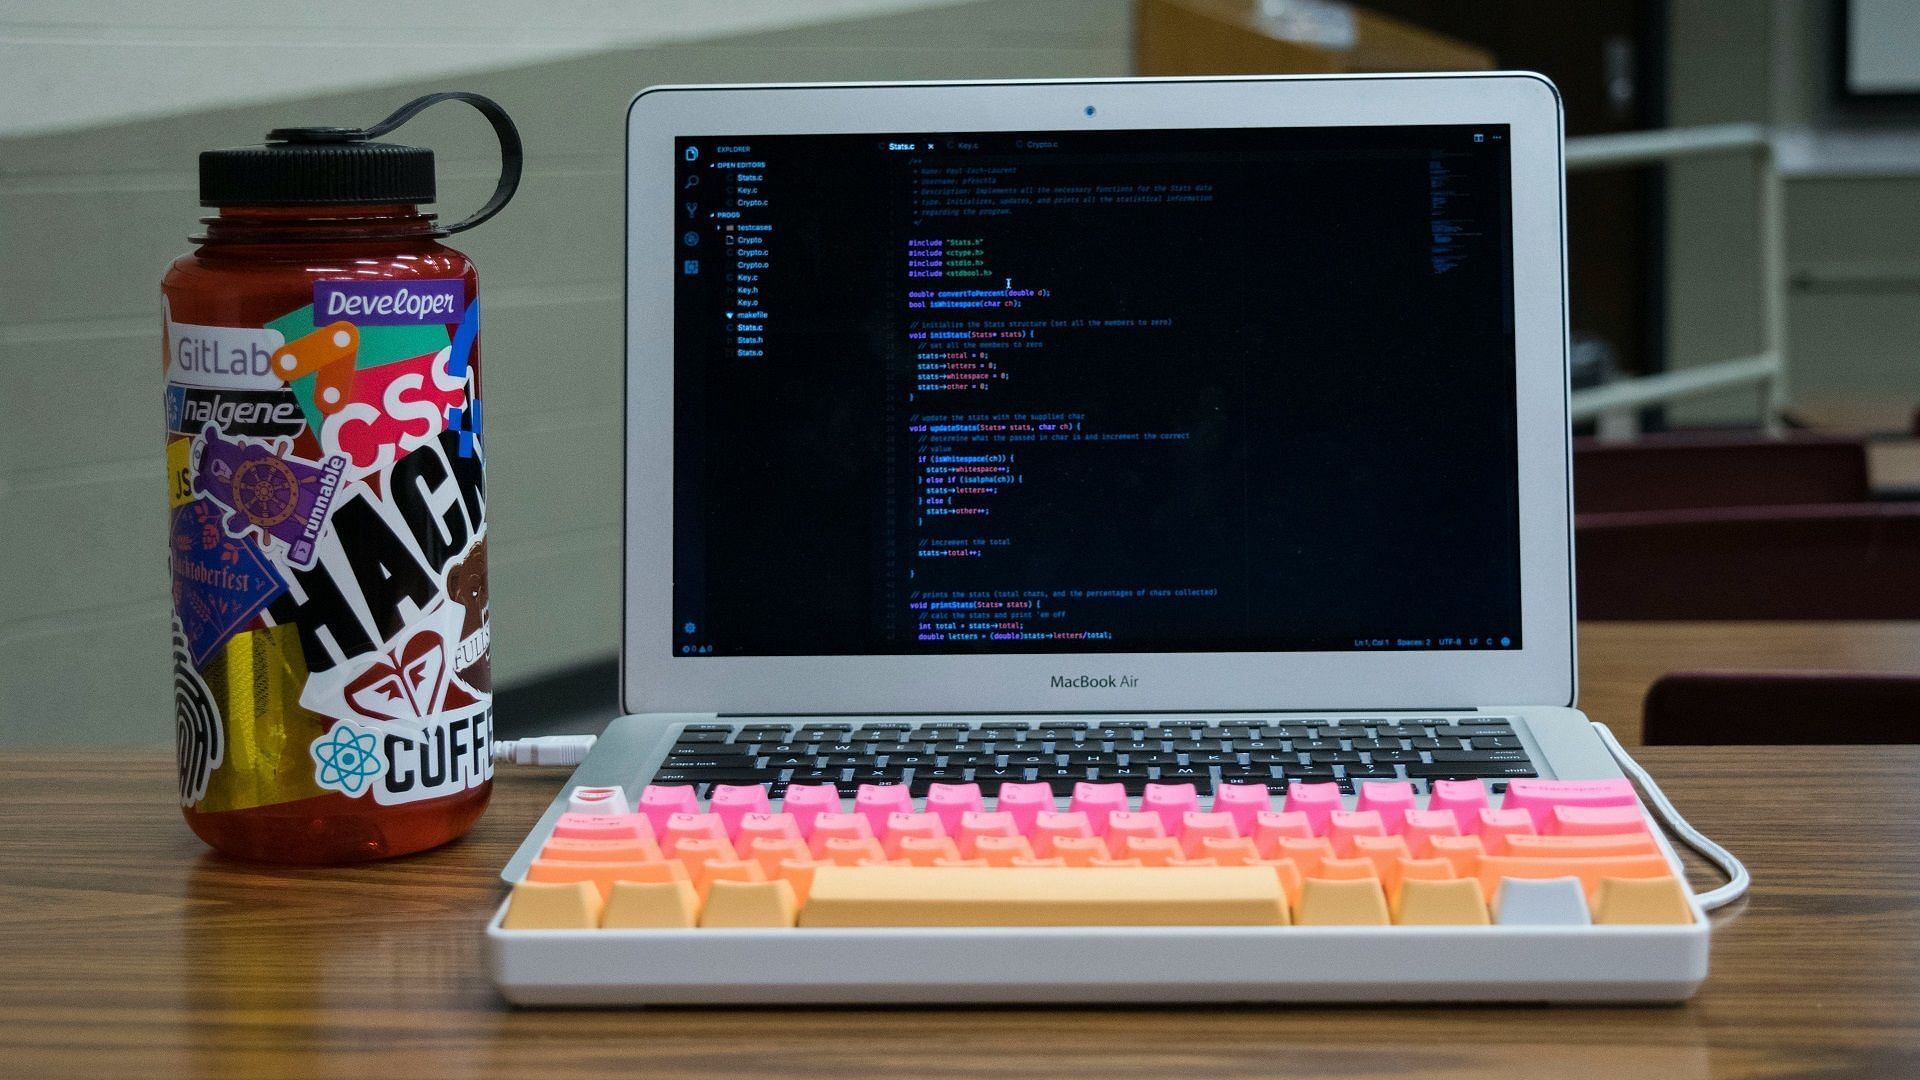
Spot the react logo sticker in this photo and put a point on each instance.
(346, 759)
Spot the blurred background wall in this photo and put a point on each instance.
(104, 106)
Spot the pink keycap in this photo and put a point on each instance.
(1391, 799)
(765, 827)
(1243, 802)
(902, 826)
(683, 827)
(1050, 825)
(1098, 802)
(1196, 827)
(658, 802)
(603, 827)
(1269, 827)
(1463, 798)
(1539, 797)
(1344, 825)
(1314, 800)
(1581, 821)
(975, 824)
(838, 827)
(1496, 824)
(808, 801)
(1171, 802)
(1124, 825)
(1025, 802)
(1423, 825)
(878, 801)
(731, 802)
(949, 801)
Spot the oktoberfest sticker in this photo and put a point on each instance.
(269, 491)
(220, 582)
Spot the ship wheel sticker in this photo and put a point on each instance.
(264, 488)
(266, 491)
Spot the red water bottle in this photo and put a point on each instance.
(328, 538)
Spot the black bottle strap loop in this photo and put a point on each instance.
(511, 154)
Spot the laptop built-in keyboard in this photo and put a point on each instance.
(1205, 752)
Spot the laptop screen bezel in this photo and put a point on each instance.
(1541, 671)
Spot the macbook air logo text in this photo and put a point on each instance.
(1094, 682)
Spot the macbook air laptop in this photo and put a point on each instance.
(1147, 431)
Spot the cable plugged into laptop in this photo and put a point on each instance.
(566, 750)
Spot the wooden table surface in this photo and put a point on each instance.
(126, 949)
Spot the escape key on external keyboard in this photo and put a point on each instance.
(1112, 859)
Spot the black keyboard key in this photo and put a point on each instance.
(1436, 744)
(680, 763)
(991, 779)
(1334, 757)
(1213, 759)
(708, 727)
(1035, 760)
(1377, 744)
(1259, 744)
(1155, 756)
(1395, 757)
(1371, 772)
(1317, 744)
(910, 761)
(1483, 721)
(691, 736)
(1506, 743)
(1479, 755)
(1062, 777)
(1470, 770)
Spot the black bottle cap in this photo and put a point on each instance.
(315, 166)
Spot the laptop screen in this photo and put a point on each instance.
(1225, 390)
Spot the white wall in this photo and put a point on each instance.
(89, 220)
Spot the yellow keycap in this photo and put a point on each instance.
(1641, 901)
(651, 905)
(1033, 896)
(750, 903)
(1353, 902)
(541, 905)
(1454, 902)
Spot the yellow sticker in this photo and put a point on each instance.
(180, 472)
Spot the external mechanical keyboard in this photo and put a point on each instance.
(1070, 860)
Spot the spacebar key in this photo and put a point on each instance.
(1044, 896)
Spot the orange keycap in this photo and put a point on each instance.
(1385, 852)
(918, 826)
(695, 853)
(1229, 851)
(1646, 901)
(1351, 902)
(975, 824)
(602, 875)
(539, 905)
(1181, 862)
(1455, 902)
(683, 827)
(847, 850)
(570, 850)
(771, 853)
(1269, 828)
(1346, 869)
(1462, 852)
(1043, 863)
(740, 904)
(1134, 863)
(1344, 825)
(1002, 850)
(1080, 850)
(799, 874)
(1589, 870)
(1152, 850)
(652, 905)
(1576, 846)
(925, 850)
(977, 864)
(1424, 825)
(1419, 870)
(1309, 854)
(1290, 877)
(737, 870)
(883, 862)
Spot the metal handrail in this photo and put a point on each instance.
(1615, 404)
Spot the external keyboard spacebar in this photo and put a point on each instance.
(1044, 896)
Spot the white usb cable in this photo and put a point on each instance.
(544, 750)
(1737, 877)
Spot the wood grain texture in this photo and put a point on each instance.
(126, 949)
(1619, 660)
